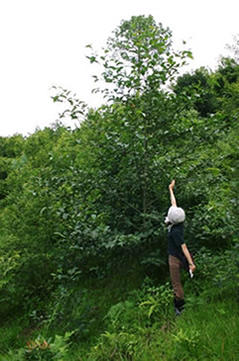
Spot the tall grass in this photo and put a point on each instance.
(109, 323)
(208, 331)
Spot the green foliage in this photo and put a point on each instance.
(187, 342)
(158, 301)
(195, 335)
(216, 275)
(87, 205)
(41, 349)
(133, 329)
(138, 58)
(11, 147)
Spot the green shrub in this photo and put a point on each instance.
(215, 275)
(41, 349)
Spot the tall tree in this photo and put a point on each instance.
(139, 58)
(138, 62)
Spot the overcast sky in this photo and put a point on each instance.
(43, 44)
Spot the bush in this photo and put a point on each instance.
(41, 349)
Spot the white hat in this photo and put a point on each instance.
(175, 215)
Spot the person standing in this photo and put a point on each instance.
(177, 249)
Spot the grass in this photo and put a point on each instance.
(206, 332)
(137, 323)
(12, 335)
(214, 327)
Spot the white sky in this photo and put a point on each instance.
(42, 43)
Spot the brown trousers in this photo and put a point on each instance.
(175, 268)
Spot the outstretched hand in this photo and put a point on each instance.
(172, 184)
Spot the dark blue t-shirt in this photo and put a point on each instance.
(175, 240)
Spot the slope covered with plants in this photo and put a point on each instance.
(83, 246)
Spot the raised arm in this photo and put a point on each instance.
(172, 196)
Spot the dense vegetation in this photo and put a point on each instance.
(83, 258)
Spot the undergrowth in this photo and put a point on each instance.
(103, 321)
